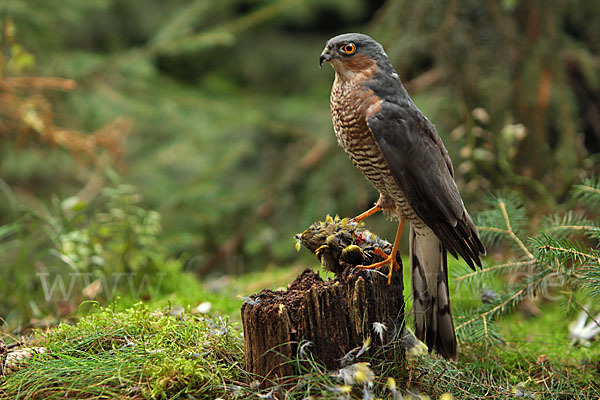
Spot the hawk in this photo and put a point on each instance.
(399, 151)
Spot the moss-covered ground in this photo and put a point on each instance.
(157, 350)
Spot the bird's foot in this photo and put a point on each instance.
(388, 259)
(366, 214)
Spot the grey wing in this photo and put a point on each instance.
(423, 171)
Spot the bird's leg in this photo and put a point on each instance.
(367, 213)
(388, 259)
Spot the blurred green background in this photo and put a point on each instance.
(196, 136)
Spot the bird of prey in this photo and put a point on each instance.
(399, 151)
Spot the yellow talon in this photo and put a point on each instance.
(388, 259)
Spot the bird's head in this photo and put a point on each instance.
(354, 55)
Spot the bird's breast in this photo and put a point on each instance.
(351, 105)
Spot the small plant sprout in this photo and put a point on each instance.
(379, 328)
(557, 255)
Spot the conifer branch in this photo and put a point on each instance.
(552, 256)
(559, 228)
(494, 267)
(589, 189)
(485, 326)
(492, 229)
(508, 231)
(570, 251)
(505, 302)
(588, 192)
(512, 233)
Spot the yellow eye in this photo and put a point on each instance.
(349, 48)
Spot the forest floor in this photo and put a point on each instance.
(168, 349)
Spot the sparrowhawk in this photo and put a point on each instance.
(396, 147)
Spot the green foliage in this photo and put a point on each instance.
(588, 192)
(229, 155)
(122, 237)
(231, 137)
(231, 142)
(558, 261)
(357, 378)
(562, 225)
(505, 373)
(132, 354)
(139, 353)
(22, 245)
(506, 210)
(20, 59)
(79, 250)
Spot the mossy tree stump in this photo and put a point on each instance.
(334, 315)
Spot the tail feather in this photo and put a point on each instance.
(431, 300)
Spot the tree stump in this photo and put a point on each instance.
(334, 315)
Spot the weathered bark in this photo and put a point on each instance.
(335, 316)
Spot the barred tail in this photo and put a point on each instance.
(431, 301)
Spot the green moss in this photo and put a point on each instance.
(132, 354)
(502, 372)
(130, 351)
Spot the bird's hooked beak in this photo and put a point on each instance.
(325, 57)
